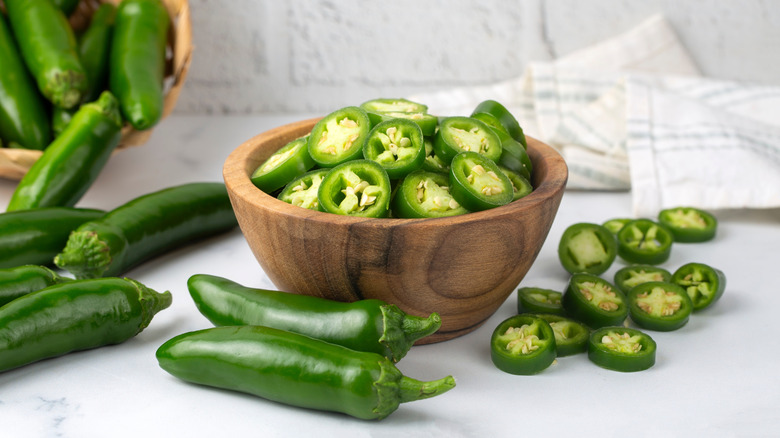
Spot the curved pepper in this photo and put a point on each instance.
(21, 280)
(365, 325)
(294, 369)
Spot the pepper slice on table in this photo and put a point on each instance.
(704, 284)
(364, 325)
(688, 224)
(571, 337)
(644, 241)
(621, 349)
(425, 194)
(586, 247)
(294, 369)
(629, 276)
(284, 165)
(477, 183)
(538, 300)
(460, 134)
(22, 280)
(616, 224)
(356, 188)
(339, 136)
(397, 145)
(302, 191)
(523, 345)
(659, 306)
(594, 301)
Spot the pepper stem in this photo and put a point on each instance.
(151, 302)
(412, 389)
(402, 330)
(84, 255)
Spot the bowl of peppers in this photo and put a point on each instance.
(48, 76)
(385, 201)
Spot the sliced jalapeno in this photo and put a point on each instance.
(397, 145)
(659, 306)
(704, 284)
(339, 137)
(289, 162)
(538, 300)
(594, 301)
(356, 188)
(615, 225)
(302, 191)
(514, 156)
(586, 247)
(477, 183)
(432, 162)
(427, 122)
(628, 277)
(688, 224)
(523, 344)
(459, 134)
(571, 337)
(644, 241)
(621, 349)
(425, 194)
(393, 105)
(505, 117)
(521, 187)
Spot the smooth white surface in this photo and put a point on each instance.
(717, 376)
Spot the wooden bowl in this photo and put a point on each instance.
(14, 163)
(462, 267)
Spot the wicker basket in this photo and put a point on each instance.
(14, 163)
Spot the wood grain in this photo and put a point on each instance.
(462, 267)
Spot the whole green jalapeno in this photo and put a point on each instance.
(73, 316)
(94, 49)
(145, 227)
(21, 280)
(49, 49)
(137, 60)
(366, 325)
(36, 236)
(74, 159)
(294, 369)
(23, 119)
(60, 117)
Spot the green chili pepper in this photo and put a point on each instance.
(704, 284)
(688, 224)
(628, 277)
(137, 61)
(284, 165)
(538, 300)
(67, 6)
(364, 325)
(586, 247)
(49, 49)
(94, 49)
(145, 227)
(36, 236)
(523, 344)
(659, 306)
(477, 183)
(73, 316)
(397, 145)
(505, 117)
(425, 194)
(521, 187)
(23, 118)
(73, 161)
(594, 301)
(339, 136)
(302, 191)
(460, 134)
(644, 241)
(356, 188)
(621, 349)
(294, 369)
(60, 118)
(571, 337)
(21, 280)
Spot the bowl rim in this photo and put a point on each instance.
(236, 175)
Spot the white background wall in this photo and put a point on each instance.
(317, 55)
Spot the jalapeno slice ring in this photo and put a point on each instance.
(460, 134)
(704, 284)
(397, 145)
(289, 162)
(514, 156)
(538, 300)
(523, 345)
(302, 191)
(521, 187)
(384, 105)
(629, 276)
(356, 188)
(615, 225)
(587, 247)
(688, 224)
(477, 183)
(571, 337)
(644, 241)
(427, 122)
(594, 301)
(432, 162)
(659, 306)
(504, 117)
(424, 194)
(621, 349)
(339, 137)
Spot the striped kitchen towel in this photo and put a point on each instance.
(634, 112)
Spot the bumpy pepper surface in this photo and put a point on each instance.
(22, 280)
(294, 369)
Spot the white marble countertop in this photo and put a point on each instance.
(717, 376)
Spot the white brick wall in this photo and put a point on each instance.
(317, 55)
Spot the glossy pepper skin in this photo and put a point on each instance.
(36, 236)
(73, 316)
(74, 160)
(145, 227)
(21, 280)
(523, 345)
(294, 369)
(137, 60)
(23, 119)
(94, 49)
(48, 46)
(365, 325)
